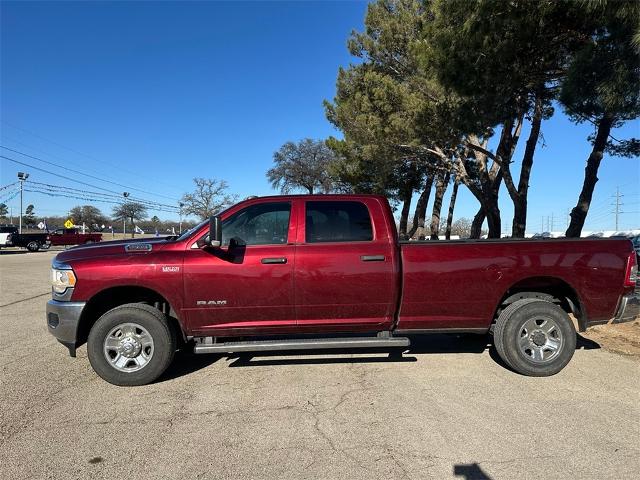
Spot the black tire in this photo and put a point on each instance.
(157, 327)
(518, 343)
(33, 246)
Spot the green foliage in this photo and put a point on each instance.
(30, 214)
(434, 79)
(4, 210)
(604, 74)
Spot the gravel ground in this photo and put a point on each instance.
(446, 409)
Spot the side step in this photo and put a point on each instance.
(300, 344)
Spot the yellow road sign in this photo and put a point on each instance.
(68, 224)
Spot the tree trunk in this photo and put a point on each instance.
(519, 224)
(404, 214)
(579, 212)
(441, 187)
(476, 224)
(493, 220)
(420, 212)
(133, 229)
(452, 206)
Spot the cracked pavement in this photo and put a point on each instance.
(446, 409)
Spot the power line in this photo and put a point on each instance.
(617, 205)
(73, 150)
(56, 188)
(90, 199)
(68, 178)
(86, 174)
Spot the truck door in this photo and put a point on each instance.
(346, 267)
(246, 285)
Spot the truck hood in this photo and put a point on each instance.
(110, 248)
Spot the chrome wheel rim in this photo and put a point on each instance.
(540, 339)
(128, 347)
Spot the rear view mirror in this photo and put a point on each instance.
(215, 231)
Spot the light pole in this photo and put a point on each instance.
(124, 215)
(21, 177)
(180, 227)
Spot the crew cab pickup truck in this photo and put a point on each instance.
(73, 236)
(322, 272)
(9, 237)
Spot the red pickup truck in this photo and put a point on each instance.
(73, 236)
(321, 272)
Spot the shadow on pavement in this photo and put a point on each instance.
(470, 471)
(420, 345)
(185, 363)
(584, 343)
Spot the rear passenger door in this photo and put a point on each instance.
(345, 275)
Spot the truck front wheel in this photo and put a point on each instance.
(535, 337)
(132, 344)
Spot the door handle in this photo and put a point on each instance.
(268, 261)
(372, 258)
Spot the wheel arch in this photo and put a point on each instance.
(550, 288)
(112, 297)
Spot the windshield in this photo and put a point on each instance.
(187, 233)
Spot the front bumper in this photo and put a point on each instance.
(63, 319)
(629, 308)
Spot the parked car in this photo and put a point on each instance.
(73, 236)
(286, 267)
(9, 237)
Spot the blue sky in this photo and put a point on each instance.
(150, 95)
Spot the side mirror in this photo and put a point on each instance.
(215, 231)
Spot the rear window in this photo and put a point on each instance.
(7, 229)
(337, 222)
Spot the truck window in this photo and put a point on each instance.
(337, 222)
(262, 224)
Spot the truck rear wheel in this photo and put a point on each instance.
(535, 337)
(132, 344)
(33, 246)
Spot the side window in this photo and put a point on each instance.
(337, 222)
(59, 231)
(262, 224)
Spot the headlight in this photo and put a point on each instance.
(62, 279)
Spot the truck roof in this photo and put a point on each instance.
(314, 196)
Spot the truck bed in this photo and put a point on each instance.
(459, 284)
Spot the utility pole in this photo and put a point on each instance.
(542, 225)
(551, 222)
(21, 177)
(124, 216)
(10, 215)
(180, 227)
(618, 204)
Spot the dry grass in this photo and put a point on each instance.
(623, 338)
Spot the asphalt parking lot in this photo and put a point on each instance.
(445, 409)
